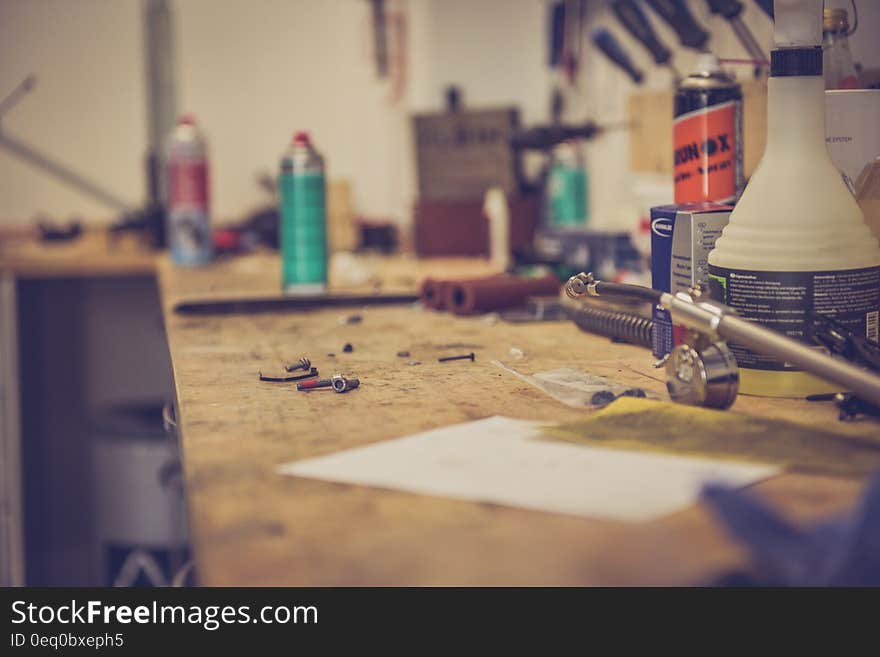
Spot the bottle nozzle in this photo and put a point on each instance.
(798, 23)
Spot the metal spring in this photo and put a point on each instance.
(614, 324)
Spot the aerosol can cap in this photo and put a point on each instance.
(301, 138)
(707, 64)
(798, 23)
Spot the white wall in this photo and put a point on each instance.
(255, 70)
(87, 110)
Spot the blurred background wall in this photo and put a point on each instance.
(255, 70)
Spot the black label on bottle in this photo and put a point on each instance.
(785, 302)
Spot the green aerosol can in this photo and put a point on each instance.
(302, 197)
(566, 202)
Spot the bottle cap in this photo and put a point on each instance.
(796, 62)
(301, 138)
(835, 20)
(798, 23)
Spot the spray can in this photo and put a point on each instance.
(707, 135)
(302, 196)
(566, 198)
(189, 221)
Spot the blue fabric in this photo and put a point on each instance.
(840, 551)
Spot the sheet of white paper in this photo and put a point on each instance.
(507, 461)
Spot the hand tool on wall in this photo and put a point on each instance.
(566, 25)
(380, 39)
(543, 137)
(731, 10)
(766, 6)
(680, 19)
(637, 24)
(574, 38)
(556, 38)
(611, 48)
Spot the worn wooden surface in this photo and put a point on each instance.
(251, 526)
(94, 254)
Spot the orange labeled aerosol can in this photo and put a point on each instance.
(707, 136)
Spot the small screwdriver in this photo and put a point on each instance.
(610, 46)
(637, 24)
(680, 19)
(731, 10)
(767, 6)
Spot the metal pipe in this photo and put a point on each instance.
(836, 370)
(717, 320)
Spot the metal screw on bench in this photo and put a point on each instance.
(338, 382)
(341, 384)
(302, 364)
(469, 357)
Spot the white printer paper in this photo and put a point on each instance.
(507, 461)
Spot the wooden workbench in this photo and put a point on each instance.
(252, 526)
(95, 254)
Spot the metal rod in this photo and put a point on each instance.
(747, 39)
(24, 88)
(715, 319)
(25, 152)
(836, 370)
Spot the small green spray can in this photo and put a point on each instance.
(566, 198)
(302, 197)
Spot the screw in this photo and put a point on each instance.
(341, 384)
(302, 364)
(469, 356)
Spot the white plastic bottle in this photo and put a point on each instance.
(797, 242)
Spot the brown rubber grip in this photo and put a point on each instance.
(482, 295)
(434, 294)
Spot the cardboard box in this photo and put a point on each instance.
(681, 238)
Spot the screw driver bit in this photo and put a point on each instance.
(446, 359)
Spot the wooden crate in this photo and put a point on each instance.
(459, 155)
(461, 228)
